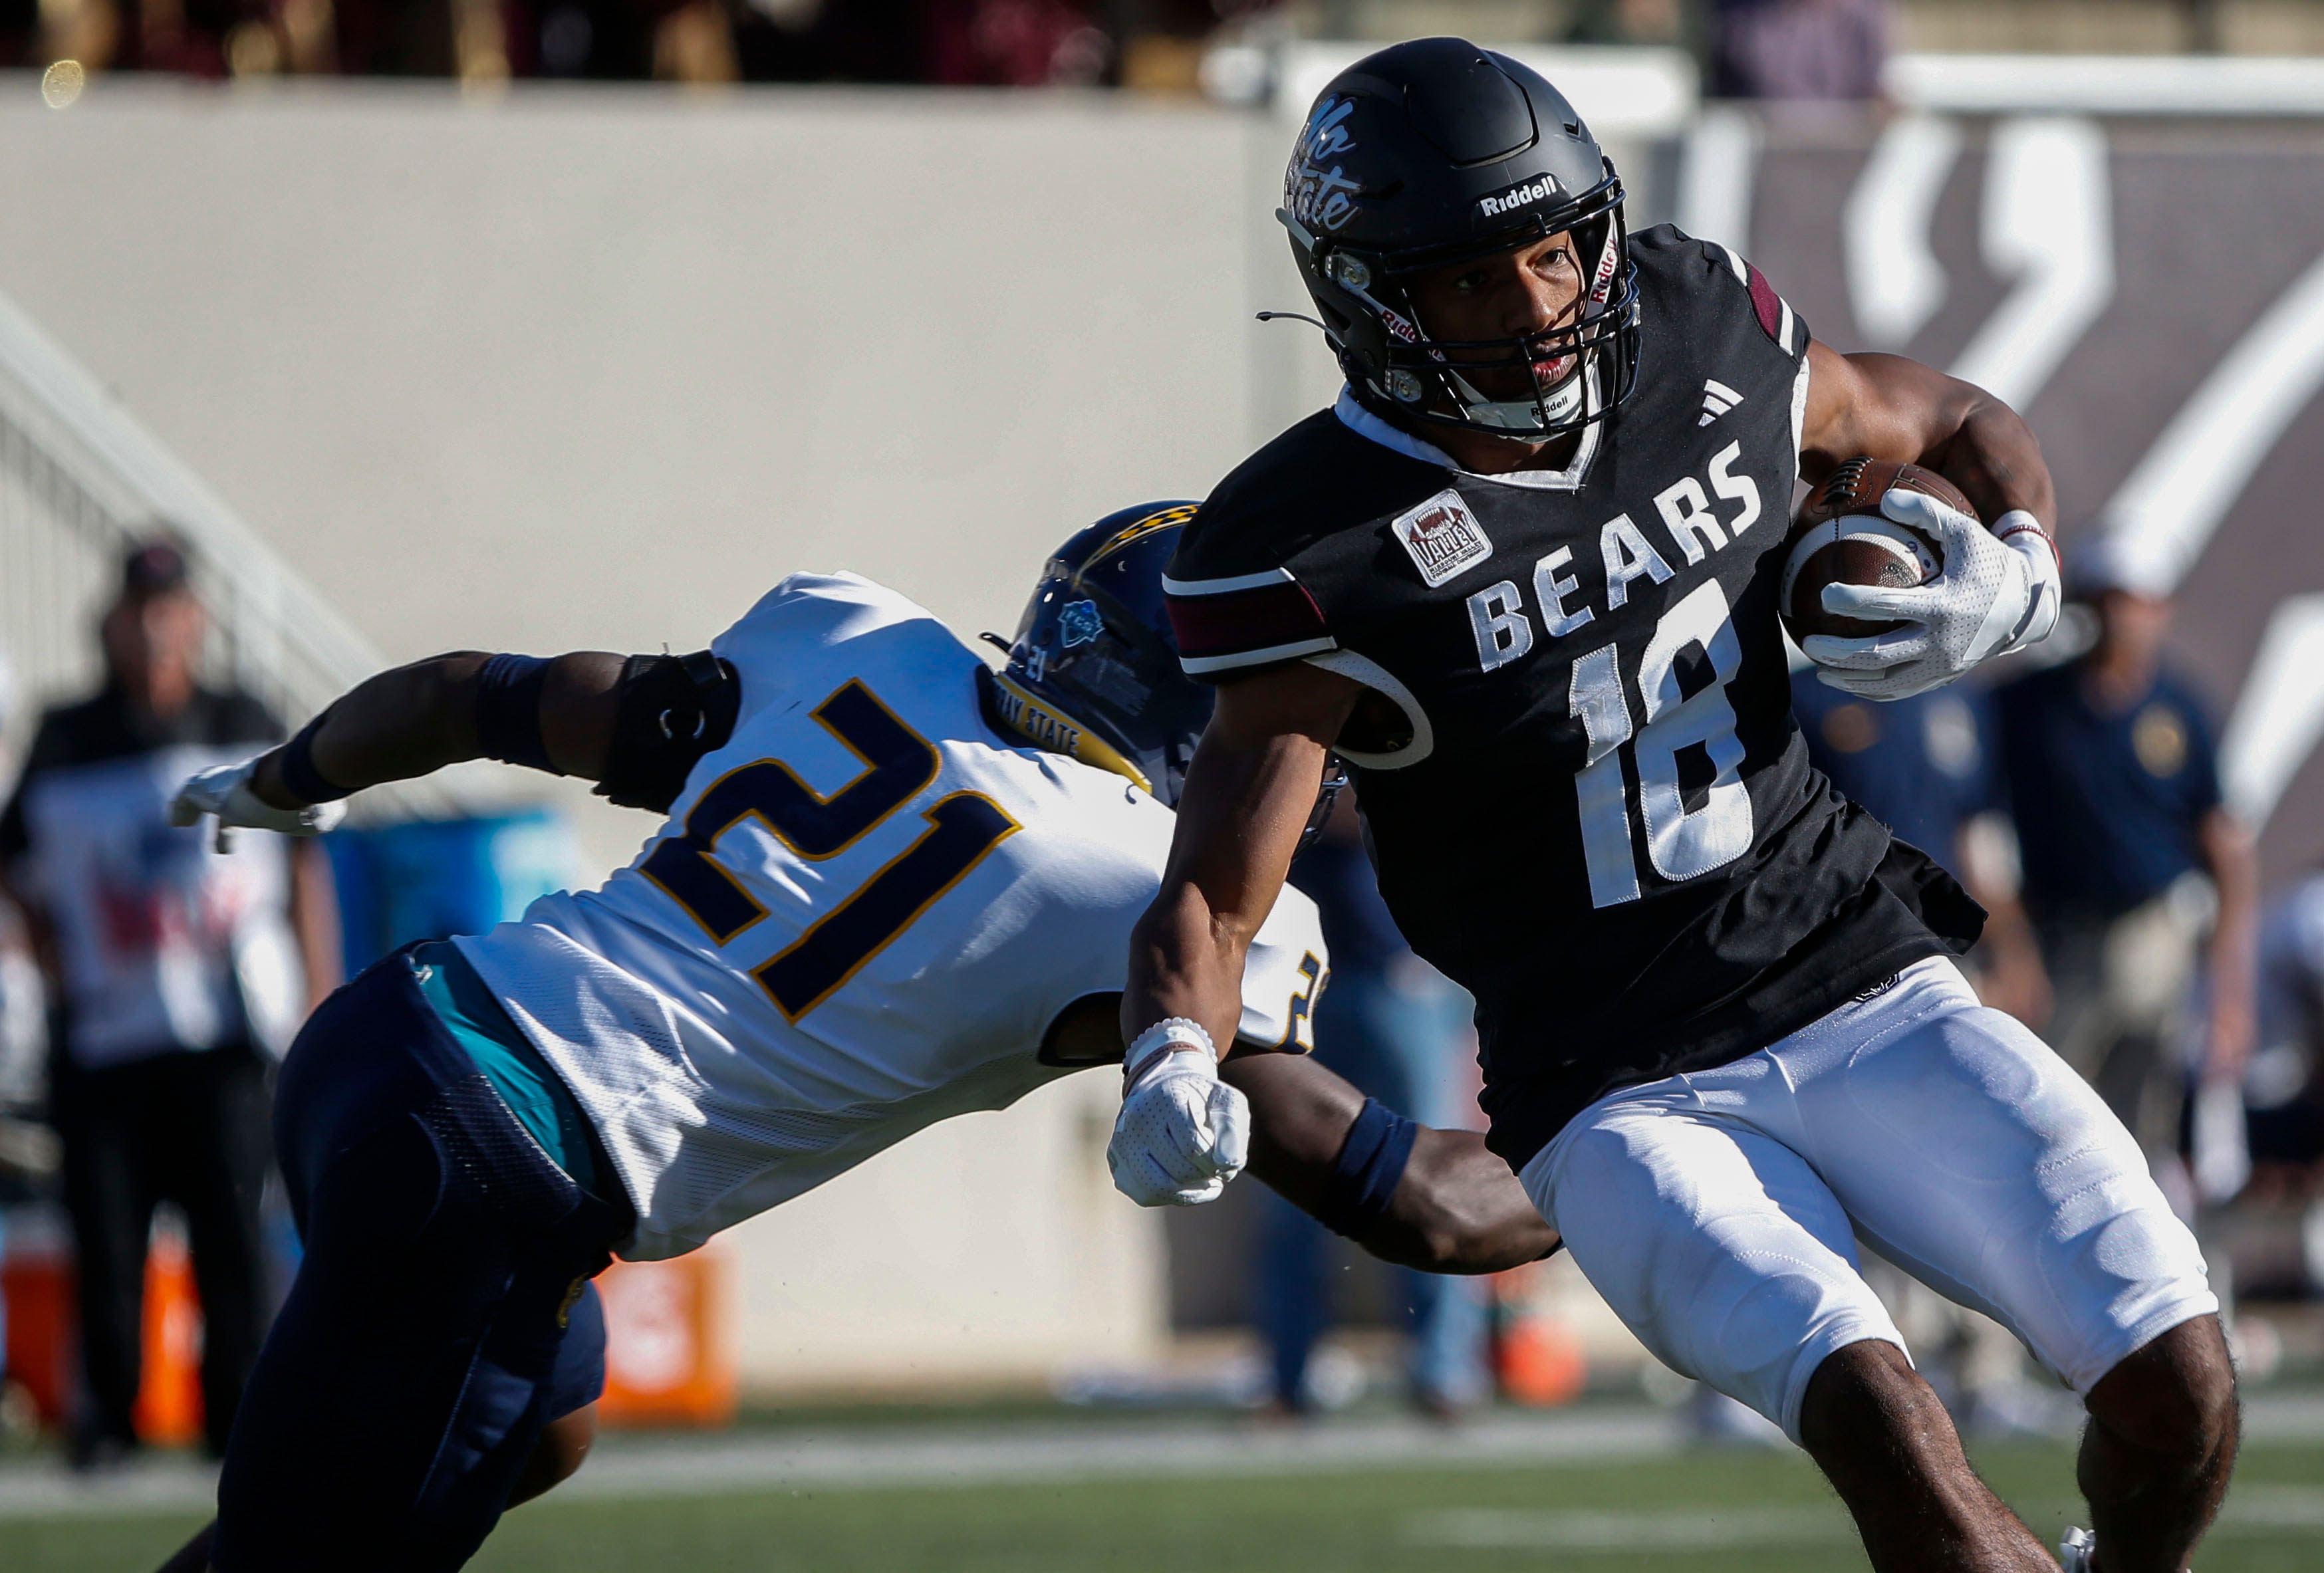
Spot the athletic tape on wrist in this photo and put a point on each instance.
(1176, 1031)
(2047, 575)
(1371, 1163)
(300, 777)
(508, 711)
(2017, 521)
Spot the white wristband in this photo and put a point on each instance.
(2023, 533)
(2018, 522)
(1175, 1032)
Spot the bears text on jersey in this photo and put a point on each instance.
(1693, 523)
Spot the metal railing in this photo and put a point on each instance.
(81, 481)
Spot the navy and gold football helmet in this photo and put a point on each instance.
(1094, 670)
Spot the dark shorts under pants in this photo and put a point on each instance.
(441, 1315)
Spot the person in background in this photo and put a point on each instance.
(27, 1146)
(2114, 783)
(1798, 50)
(1924, 766)
(181, 970)
(1398, 1030)
(2283, 1086)
(23, 1042)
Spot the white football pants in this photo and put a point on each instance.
(1717, 1211)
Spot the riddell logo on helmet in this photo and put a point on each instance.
(1520, 196)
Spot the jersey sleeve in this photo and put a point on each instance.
(1282, 976)
(1704, 263)
(1227, 620)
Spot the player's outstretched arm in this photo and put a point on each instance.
(556, 715)
(1411, 1194)
(1998, 589)
(1247, 798)
(635, 725)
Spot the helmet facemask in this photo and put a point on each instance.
(1386, 351)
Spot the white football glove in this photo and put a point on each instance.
(225, 791)
(1998, 592)
(1181, 1133)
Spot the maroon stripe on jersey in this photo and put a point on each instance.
(1257, 619)
(1763, 301)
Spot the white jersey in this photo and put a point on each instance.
(862, 916)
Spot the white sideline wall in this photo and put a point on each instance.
(593, 369)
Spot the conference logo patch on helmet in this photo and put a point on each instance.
(1316, 188)
(1444, 538)
(1079, 622)
(1524, 194)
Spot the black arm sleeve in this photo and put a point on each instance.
(673, 709)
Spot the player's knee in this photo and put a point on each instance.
(2174, 1397)
(1865, 1400)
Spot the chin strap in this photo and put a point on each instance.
(1527, 417)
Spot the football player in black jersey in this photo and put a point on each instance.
(1523, 580)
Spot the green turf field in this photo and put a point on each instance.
(1750, 1512)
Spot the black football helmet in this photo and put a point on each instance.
(1094, 671)
(1437, 151)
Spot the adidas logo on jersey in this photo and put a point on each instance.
(1717, 398)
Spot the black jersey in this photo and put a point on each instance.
(1598, 815)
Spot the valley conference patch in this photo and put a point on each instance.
(1444, 538)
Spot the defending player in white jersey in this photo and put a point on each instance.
(893, 886)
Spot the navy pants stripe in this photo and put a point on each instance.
(430, 1333)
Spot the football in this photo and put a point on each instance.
(1841, 537)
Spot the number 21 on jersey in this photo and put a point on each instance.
(962, 828)
(1682, 842)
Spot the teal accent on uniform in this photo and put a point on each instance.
(534, 1093)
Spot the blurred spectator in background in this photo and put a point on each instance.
(180, 971)
(1925, 767)
(1634, 22)
(1798, 50)
(1013, 43)
(2114, 783)
(1397, 1029)
(2283, 1086)
(28, 1158)
(23, 1045)
(20, 35)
